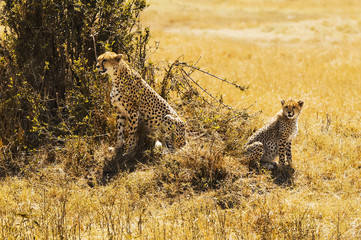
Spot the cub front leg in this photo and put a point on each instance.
(282, 152)
(289, 153)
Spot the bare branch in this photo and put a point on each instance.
(194, 91)
(94, 44)
(204, 90)
(242, 88)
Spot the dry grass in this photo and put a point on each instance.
(281, 49)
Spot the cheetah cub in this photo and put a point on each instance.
(274, 139)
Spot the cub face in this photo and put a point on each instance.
(291, 109)
(106, 61)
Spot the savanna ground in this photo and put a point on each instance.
(306, 50)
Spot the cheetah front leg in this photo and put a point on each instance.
(121, 122)
(133, 126)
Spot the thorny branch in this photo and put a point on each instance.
(187, 77)
(242, 88)
(204, 90)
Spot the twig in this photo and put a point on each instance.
(193, 69)
(240, 114)
(164, 91)
(242, 88)
(94, 45)
(194, 91)
(204, 90)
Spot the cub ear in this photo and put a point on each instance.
(300, 102)
(282, 102)
(118, 57)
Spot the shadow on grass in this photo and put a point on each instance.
(284, 177)
(121, 161)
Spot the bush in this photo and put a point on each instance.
(49, 90)
(51, 95)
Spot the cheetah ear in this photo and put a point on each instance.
(282, 102)
(118, 57)
(300, 102)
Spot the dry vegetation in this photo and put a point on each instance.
(281, 49)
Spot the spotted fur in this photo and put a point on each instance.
(135, 99)
(274, 139)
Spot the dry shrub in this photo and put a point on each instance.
(49, 91)
(55, 100)
(78, 157)
(199, 166)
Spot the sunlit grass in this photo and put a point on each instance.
(301, 49)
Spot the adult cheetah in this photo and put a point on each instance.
(274, 139)
(134, 99)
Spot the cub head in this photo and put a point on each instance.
(107, 61)
(291, 109)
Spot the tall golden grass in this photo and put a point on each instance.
(282, 49)
(301, 49)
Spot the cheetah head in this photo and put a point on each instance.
(291, 109)
(107, 61)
